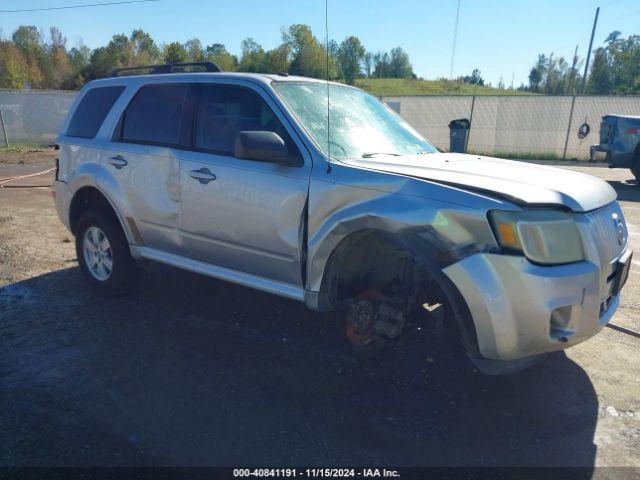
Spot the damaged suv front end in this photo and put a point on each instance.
(555, 283)
(534, 257)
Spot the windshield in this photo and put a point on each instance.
(360, 127)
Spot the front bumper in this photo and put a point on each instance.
(520, 309)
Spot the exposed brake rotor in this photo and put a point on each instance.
(371, 317)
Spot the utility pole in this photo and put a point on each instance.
(573, 71)
(586, 65)
(513, 76)
(549, 70)
(455, 38)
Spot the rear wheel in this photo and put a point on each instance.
(103, 253)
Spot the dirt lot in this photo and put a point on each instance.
(187, 370)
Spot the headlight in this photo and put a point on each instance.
(543, 236)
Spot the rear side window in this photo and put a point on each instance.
(154, 116)
(92, 110)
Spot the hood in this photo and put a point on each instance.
(519, 182)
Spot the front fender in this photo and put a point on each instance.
(338, 211)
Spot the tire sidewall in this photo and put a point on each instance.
(122, 262)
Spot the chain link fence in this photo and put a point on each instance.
(501, 125)
(32, 116)
(516, 125)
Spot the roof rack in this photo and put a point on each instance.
(167, 68)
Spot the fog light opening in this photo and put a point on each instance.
(560, 324)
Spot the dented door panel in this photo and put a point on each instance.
(150, 182)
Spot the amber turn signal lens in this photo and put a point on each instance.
(508, 235)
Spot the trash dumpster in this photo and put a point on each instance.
(458, 134)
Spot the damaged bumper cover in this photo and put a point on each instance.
(521, 310)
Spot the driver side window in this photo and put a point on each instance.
(224, 111)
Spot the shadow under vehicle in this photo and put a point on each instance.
(191, 371)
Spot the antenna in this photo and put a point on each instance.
(455, 37)
(326, 26)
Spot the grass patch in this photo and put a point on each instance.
(406, 86)
(21, 147)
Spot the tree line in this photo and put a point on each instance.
(615, 70)
(32, 59)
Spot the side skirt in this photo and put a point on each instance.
(234, 276)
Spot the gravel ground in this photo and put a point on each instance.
(187, 370)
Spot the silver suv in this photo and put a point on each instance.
(241, 177)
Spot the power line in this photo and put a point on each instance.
(66, 7)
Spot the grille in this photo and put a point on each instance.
(605, 232)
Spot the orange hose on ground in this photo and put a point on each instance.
(20, 177)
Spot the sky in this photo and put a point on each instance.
(501, 38)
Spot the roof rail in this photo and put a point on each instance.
(167, 68)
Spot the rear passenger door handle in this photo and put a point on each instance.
(203, 175)
(118, 161)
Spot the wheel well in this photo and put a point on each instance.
(85, 199)
(382, 261)
(365, 259)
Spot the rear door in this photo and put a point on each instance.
(142, 157)
(242, 214)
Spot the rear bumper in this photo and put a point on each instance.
(520, 309)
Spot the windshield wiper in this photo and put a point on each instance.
(373, 154)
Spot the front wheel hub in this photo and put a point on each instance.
(371, 317)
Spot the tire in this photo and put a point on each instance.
(103, 253)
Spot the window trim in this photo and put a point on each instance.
(122, 88)
(185, 126)
(197, 96)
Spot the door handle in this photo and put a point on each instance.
(118, 161)
(203, 175)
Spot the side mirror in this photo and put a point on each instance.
(263, 146)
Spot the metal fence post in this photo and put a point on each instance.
(4, 130)
(566, 140)
(473, 104)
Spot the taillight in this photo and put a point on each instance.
(57, 177)
(633, 131)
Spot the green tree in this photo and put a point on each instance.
(399, 64)
(13, 66)
(175, 53)
(309, 56)
(350, 55)
(59, 71)
(28, 40)
(382, 68)
(368, 64)
(474, 79)
(624, 63)
(277, 60)
(79, 57)
(195, 52)
(218, 54)
(146, 52)
(253, 57)
(599, 81)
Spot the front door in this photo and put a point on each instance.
(241, 214)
